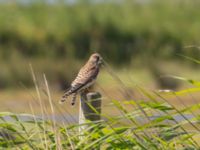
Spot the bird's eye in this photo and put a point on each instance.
(97, 58)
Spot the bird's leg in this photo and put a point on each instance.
(89, 89)
(73, 99)
(86, 90)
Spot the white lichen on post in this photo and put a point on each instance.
(89, 109)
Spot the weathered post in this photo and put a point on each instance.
(89, 109)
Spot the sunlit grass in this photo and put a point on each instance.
(148, 121)
(18, 92)
(127, 130)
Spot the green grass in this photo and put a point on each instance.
(20, 94)
(124, 131)
(51, 37)
(144, 123)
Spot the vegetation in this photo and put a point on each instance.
(63, 34)
(122, 31)
(162, 126)
(55, 37)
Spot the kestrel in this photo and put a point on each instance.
(85, 78)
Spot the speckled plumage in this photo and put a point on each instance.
(85, 78)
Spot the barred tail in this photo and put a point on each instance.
(64, 97)
(72, 90)
(73, 98)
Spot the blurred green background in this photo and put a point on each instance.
(57, 36)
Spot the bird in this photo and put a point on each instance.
(85, 78)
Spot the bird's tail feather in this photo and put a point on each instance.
(73, 98)
(63, 100)
(64, 97)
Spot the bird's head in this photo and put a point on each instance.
(96, 59)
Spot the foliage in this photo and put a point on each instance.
(63, 34)
(151, 124)
(122, 31)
